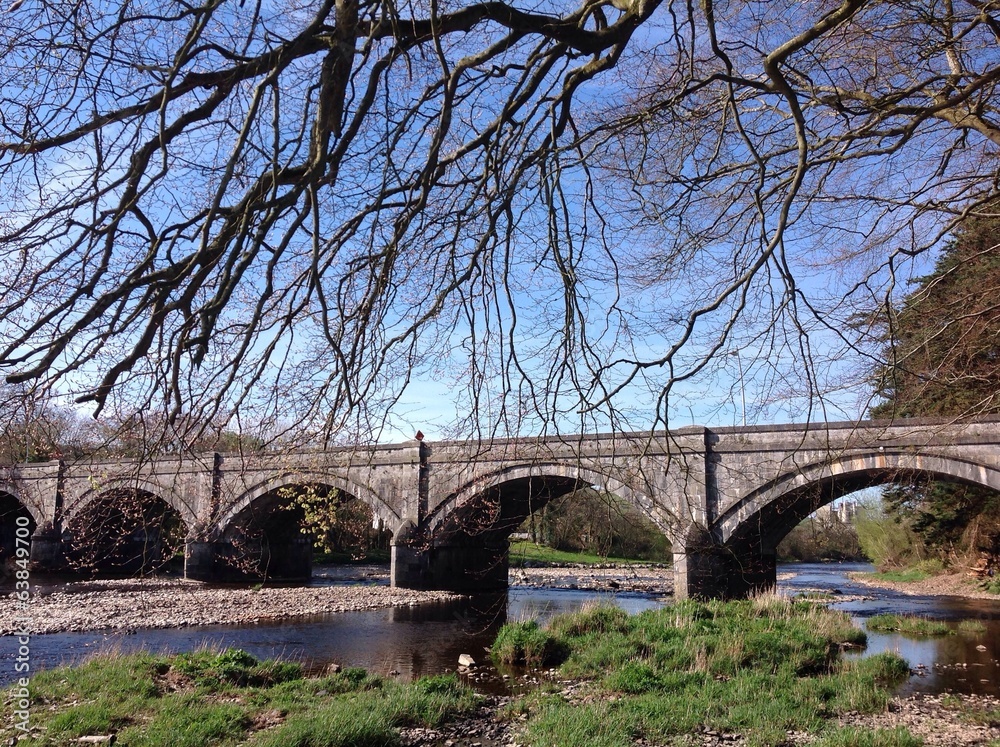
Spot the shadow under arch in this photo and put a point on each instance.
(748, 533)
(17, 525)
(137, 484)
(291, 479)
(463, 544)
(551, 477)
(123, 531)
(266, 532)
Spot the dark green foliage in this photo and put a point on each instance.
(949, 516)
(942, 360)
(944, 343)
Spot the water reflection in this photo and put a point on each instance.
(962, 662)
(428, 639)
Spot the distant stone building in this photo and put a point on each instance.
(846, 512)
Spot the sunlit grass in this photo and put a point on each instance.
(229, 698)
(523, 551)
(758, 669)
(909, 625)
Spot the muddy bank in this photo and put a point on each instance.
(133, 604)
(943, 585)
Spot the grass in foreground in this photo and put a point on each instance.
(523, 551)
(228, 699)
(756, 668)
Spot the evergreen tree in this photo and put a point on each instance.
(942, 356)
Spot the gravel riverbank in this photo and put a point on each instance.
(648, 579)
(132, 604)
(939, 721)
(943, 585)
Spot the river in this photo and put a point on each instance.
(428, 639)
(960, 663)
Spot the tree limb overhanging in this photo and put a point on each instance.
(562, 211)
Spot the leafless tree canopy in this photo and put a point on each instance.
(300, 207)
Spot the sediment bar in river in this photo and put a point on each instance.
(133, 604)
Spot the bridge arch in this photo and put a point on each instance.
(791, 497)
(15, 515)
(124, 528)
(134, 484)
(737, 554)
(273, 484)
(9, 492)
(554, 475)
(245, 544)
(462, 544)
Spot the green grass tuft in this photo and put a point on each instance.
(910, 625)
(526, 644)
(234, 667)
(230, 699)
(971, 627)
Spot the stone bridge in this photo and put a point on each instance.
(724, 496)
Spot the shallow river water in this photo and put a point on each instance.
(428, 639)
(962, 662)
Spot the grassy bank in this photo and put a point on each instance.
(523, 551)
(230, 698)
(759, 669)
(371, 557)
(901, 576)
